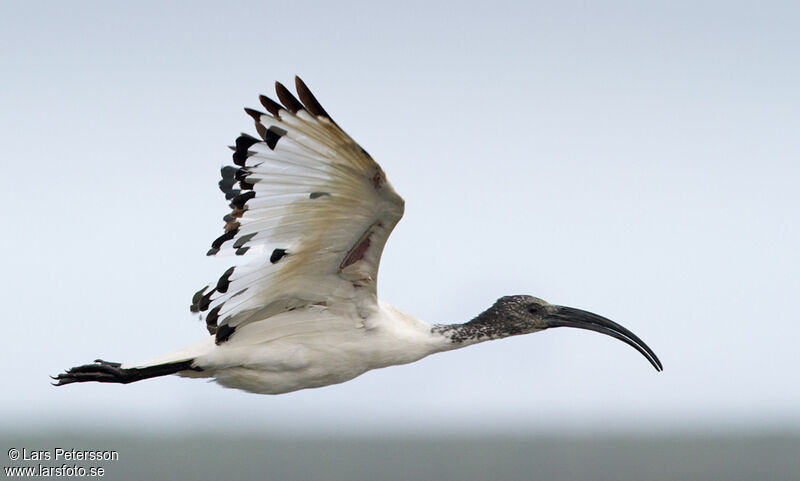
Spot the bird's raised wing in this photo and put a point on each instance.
(310, 207)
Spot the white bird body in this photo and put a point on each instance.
(312, 211)
(309, 347)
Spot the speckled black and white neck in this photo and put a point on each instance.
(509, 316)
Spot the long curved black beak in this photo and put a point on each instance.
(570, 317)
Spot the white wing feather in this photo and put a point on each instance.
(311, 208)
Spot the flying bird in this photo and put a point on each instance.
(312, 211)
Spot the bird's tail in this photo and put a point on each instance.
(181, 361)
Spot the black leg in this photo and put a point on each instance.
(104, 371)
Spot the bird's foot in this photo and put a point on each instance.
(99, 371)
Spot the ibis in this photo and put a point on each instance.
(310, 214)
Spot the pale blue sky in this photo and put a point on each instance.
(637, 159)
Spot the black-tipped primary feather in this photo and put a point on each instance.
(223, 333)
(287, 99)
(205, 301)
(232, 226)
(223, 239)
(225, 281)
(238, 213)
(195, 307)
(244, 240)
(228, 172)
(211, 319)
(308, 99)
(272, 136)
(272, 106)
(240, 174)
(239, 201)
(226, 185)
(254, 113)
(243, 143)
(262, 131)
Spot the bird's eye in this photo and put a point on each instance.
(534, 308)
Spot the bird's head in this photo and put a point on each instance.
(513, 315)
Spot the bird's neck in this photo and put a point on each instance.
(487, 326)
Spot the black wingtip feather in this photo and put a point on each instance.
(223, 239)
(272, 136)
(223, 333)
(226, 185)
(197, 298)
(241, 199)
(243, 143)
(309, 100)
(287, 99)
(211, 318)
(262, 131)
(240, 174)
(272, 106)
(197, 295)
(225, 281)
(254, 113)
(205, 301)
(228, 172)
(244, 240)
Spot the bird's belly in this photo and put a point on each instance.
(266, 382)
(291, 365)
(267, 377)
